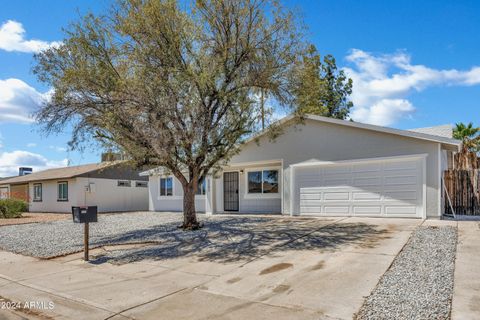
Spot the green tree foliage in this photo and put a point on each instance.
(170, 84)
(320, 88)
(469, 135)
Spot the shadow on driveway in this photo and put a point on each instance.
(240, 239)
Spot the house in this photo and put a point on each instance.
(112, 186)
(323, 167)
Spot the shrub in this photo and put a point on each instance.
(12, 208)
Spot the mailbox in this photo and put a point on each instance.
(84, 214)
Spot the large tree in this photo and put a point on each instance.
(320, 88)
(170, 84)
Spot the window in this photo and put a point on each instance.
(62, 191)
(202, 188)
(166, 186)
(123, 183)
(37, 192)
(265, 181)
(141, 184)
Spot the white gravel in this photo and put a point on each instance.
(419, 283)
(51, 239)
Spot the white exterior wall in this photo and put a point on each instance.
(49, 201)
(320, 141)
(107, 196)
(248, 203)
(170, 203)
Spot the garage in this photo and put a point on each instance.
(382, 187)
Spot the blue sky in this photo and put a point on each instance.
(414, 64)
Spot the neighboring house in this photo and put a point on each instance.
(112, 186)
(324, 167)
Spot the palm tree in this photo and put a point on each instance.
(470, 137)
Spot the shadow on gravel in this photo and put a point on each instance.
(240, 239)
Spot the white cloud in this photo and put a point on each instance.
(31, 145)
(382, 83)
(11, 161)
(18, 101)
(12, 38)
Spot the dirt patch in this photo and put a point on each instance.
(276, 268)
(233, 280)
(318, 266)
(281, 288)
(30, 217)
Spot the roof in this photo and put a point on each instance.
(428, 134)
(59, 173)
(445, 130)
(371, 127)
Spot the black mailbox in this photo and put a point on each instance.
(84, 214)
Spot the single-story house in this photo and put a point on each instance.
(112, 186)
(324, 167)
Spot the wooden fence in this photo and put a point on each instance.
(463, 189)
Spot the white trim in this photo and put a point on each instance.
(379, 159)
(424, 188)
(277, 195)
(252, 163)
(282, 195)
(292, 168)
(439, 180)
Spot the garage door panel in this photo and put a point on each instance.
(367, 181)
(400, 180)
(365, 196)
(333, 182)
(367, 210)
(311, 203)
(311, 210)
(370, 167)
(379, 188)
(330, 209)
(311, 196)
(401, 195)
(404, 164)
(335, 196)
(400, 210)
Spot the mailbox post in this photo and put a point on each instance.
(85, 215)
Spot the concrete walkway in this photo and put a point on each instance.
(327, 279)
(466, 294)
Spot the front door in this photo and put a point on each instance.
(230, 191)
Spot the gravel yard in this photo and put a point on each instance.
(241, 235)
(419, 284)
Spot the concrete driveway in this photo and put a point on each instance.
(323, 269)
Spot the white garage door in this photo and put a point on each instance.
(388, 188)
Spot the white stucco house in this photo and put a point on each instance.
(112, 186)
(325, 167)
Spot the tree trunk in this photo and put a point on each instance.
(189, 215)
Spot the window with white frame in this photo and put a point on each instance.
(202, 188)
(62, 194)
(37, 192)
(263, 181)
(166, 186)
